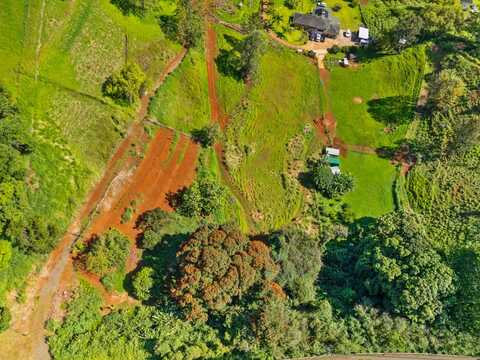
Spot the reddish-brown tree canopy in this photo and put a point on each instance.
(217, 265)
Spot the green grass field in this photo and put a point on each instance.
(55, 57)
(182, 102)
(374, 102)
(374, 177)
(273, 129)
(350, 17)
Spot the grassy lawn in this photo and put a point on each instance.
(374, 177)
(271, 131)
(182, 102)
(350, 17)
(374, 102)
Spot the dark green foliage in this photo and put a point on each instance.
(5, 318)
(300, 260)
(143, 283)
(158, 225)
(5, 253)
(202, 198)
(327, 183)
(466, 309)
(124, 85)
(250, 52)
(207, 135)
(135, 333)
(216, 266)
(398, 265)
(107, 253)
(186, 26)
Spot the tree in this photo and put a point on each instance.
(7, 107)
(5, 318)
(143, 283)
(466, 307)
(300, 260)
(250, 51)
(327, 183)
(5, 253)
(107, 253)
(446, 90)
(202, 198)
(217, 265)
(207, 135)
(188, 23)
(124, 85)
(399, 268)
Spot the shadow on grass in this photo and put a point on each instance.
(228, 61)
(392, 110)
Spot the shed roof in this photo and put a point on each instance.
(363, 33)
(332, 151)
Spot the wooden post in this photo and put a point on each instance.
(126, 49)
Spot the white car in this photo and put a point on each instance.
(347, 33)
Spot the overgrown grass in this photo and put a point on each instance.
(182, 102)
(374, 102)
(236, 11)
(232, 211)
(55, 57)
(276, 116)
(374, 178)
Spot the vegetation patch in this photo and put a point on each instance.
(182, 101)
(372, 194)
(389, 87)
(281, 105)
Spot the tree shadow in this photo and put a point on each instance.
(392, 110)
(228, 61)
(127, 7)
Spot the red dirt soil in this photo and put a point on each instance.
(211, 52)
(25, 338)
(162, 171)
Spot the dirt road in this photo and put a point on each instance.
(25, 338)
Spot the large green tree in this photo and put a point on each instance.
(399, 268)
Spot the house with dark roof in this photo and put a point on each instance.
(325, 24)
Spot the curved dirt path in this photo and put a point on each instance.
(26, 337)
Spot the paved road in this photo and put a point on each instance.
(390, 356)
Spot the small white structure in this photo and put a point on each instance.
(332, 151)
(335, 170)
(363, 35)
(345, 62)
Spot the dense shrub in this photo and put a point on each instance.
(300, 260)
(5, 318)
(202, 198)
(107, 253)
(143, 283)
(124, 85)
(327, 183)
(207, 135)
